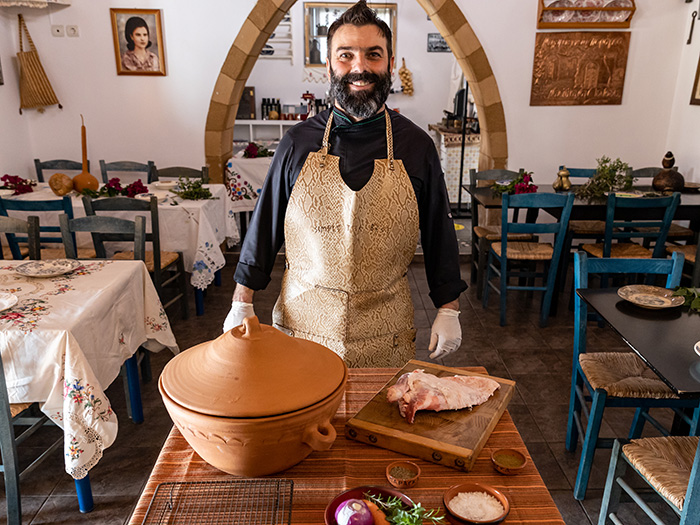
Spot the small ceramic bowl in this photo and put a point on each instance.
(508, 461)
(358, 493)
(457, 519)
(165, 184)
(402, 474)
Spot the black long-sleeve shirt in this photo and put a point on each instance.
(357, 144)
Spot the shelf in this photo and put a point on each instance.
(543, 13)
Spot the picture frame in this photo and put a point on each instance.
(437, 44)
(695, 95)
(134, 54)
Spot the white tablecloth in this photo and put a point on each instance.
(195, 228)
(244, 180)
(65, 340)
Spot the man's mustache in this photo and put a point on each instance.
(367, 76)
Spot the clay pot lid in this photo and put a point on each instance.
(253, 370)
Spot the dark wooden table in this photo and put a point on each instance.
(663, 338)
(348, 464)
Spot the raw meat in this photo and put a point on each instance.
(420, 391)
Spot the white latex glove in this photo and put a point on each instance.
(238, 312)
(445, 334)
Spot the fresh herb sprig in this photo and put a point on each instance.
(611, 175)
(691, 296)
(397, 513)
(192, 190)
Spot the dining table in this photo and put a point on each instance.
(66, 337)
(664, 338)
(195, 228)
(350, 464)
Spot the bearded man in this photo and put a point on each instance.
(348, 192)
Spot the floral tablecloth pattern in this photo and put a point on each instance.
(65, 340)
(244, 180)
(195, 228)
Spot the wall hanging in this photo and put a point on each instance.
(579, 68)
(35, 90)
(138, 41)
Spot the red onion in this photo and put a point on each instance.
(353, 512)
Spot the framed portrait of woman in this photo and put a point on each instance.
(138, 41)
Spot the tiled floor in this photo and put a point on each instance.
(539, 360)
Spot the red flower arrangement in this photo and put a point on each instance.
(521, 184)
(253, 151)
(20, 185)
(114, 188)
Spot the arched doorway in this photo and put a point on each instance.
(263, 19)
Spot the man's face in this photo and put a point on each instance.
(359, 70)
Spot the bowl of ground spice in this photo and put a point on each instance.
(402, 474)
(508, 461)
(475, 503)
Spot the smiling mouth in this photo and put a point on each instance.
(361, 83)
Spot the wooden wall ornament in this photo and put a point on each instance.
(579, 68)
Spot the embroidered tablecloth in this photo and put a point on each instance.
(65, 340)
(194, 228)
(244, 180)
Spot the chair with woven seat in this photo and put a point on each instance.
(175, 172)
(584, 229)
(121, 166)
(166, 268)
(484, 234)
(10, 226)
(669, 465)
(624, 218)
(692, 254)
(55, 166)
(508, 253)
(48, 235)
(615, 379)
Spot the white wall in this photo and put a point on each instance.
(162, 118)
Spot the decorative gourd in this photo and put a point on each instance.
(61, 184)
(406, 78)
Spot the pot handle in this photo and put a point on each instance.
(319, 436)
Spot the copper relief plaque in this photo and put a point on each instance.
(579, 68)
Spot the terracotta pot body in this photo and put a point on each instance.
(254, 401)
(85, 180)
(668, 180)
(258, 446)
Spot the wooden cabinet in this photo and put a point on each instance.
(582, 14)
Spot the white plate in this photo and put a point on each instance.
(51, 268)
(616, 16)
(6, 193)
(697, 348)
(165, 184)
(587, 16)
(559, 15)
(7, 300)
(652, 297)
(161, 196)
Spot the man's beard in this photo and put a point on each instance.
(364, 103)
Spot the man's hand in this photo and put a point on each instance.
(238, 312)
(446, 332)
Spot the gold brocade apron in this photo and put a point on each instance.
(348, 252)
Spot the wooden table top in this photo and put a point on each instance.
(349, 464)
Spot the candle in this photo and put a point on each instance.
(83, 136)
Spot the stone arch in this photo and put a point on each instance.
(263, 19)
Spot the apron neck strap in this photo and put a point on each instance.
(326, 145)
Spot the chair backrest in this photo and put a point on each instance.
(624, 215)
(57, 165)
(63, 204)
(536, 202)
(585, 173)
(30, 228)
(584, 266)
(495, 175)
(126, 165)
(101, 225)
(645, 173)
(176, 172)
(92, 206)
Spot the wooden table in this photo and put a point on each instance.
(664, 339)
(349, 464)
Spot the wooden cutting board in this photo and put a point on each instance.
(452, 438)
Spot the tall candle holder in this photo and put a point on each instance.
(84, 180)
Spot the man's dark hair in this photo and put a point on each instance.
(132, 25)
(361, 15)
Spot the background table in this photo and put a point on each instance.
(663, 338)
(195, 228)
(349, 464)
(65, 340)
(245, 178)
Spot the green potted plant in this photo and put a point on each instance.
(611, 175)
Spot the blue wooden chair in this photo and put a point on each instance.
(485, 234)
(507, 252)
(167, 269)
(692, 255)
(148, 169)
(10, 226)
(617, 379)
(669, 465)
(55, 166)
(176, 172)
(48, 235)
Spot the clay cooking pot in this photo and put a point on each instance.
(254, 401)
